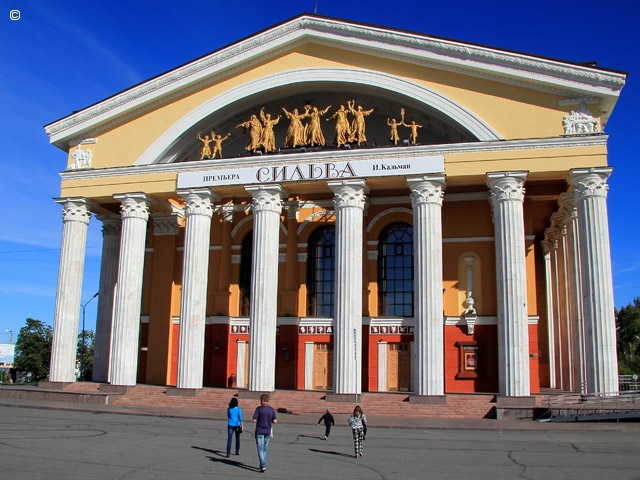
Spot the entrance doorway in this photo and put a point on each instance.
(398, 367)
(323, 366)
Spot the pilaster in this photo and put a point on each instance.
(166, 228)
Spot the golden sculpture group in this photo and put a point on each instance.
(262, 137)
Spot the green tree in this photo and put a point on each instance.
(628, 328)
(33, 351)
(85, 356)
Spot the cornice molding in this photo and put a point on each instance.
(548, 75)
(379, 154)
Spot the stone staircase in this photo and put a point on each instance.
(451, 406)
(310, 402)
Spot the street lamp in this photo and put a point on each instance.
(10, 332)
(84, 309)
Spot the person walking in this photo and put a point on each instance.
(358, 422)
(263, 417)
(234, 425)
(328, 420)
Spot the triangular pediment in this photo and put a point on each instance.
(331, 85)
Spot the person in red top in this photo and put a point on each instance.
(263, 417)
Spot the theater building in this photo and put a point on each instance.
(346, 207)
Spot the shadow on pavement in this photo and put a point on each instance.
(329, 452)
(221, 457)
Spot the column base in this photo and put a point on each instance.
(515, 408)
(183, 392)
(252, 395)
(343, 397)
(54, 385)
(428, 399)
(119, 389)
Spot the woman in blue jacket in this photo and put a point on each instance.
(234, 424)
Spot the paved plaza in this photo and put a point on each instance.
(52, 444)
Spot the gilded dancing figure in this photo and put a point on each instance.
(255, 133)
(268, 137)
(358, 126)
(393, 133)
(206, 148)
(218, 139)
(314, 129)
(414, 131)
(343, 131)
(296, 132)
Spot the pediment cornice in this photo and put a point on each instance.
(569, 80)
(381, 154)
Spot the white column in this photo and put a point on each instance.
(561, 220)
(111, 229)
(597, 281)
(126, 318)
(75, 218)
(507, 197)
(198, 210)
(309, 349)
(427, 193)
(349, 200)
(552, 235)
(382, 366)
(241, 362)
(546, 250)
(568, 203)
(267, 207)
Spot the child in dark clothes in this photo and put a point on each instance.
(328, 421)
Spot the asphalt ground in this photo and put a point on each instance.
(45, 442)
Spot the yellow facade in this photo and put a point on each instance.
(480, 116)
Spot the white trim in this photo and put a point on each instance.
(354, 155)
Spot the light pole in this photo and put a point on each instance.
(84, 309)
(10, 332)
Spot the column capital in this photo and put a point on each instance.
(266, 197)
(506, 185)
(133, 205)
(293, 209)
(166, 224)
(551, 235)
(111, 224)
(349, 193)
(227, 211)
(198, 201)
(427, 189)
(590, 182)
(560, 220)
(567, 202)
(75, 209)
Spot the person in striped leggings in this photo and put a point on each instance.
(358, 423)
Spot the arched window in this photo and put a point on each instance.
(245, 274)
(395, 270)
(321, 272)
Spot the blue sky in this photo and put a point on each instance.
(62, 56)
